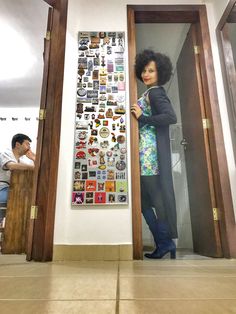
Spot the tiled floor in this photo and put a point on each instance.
(190, 284)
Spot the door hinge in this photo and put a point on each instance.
(48, 35)
(206, 123)
(215, 214)
(42, 114)
(33, 212)
(196, 50)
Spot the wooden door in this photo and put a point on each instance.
(43, 101)
(205, 225)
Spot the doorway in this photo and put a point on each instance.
(203, 224)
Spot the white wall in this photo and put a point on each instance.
(18, 120)
(96, 225)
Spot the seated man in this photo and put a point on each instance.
(11, 160)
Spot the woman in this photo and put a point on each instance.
(154, 113)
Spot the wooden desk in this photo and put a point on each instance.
(18, 210)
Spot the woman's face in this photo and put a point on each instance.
(149, 74)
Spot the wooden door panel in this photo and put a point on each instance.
(43, 99)
(206, 240)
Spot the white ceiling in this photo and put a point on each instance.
(22, 29)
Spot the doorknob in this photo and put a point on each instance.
(184, 143)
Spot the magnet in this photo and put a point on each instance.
(121, 139)
(111, 198)
(77, 198)
(122, 129)
(104, 132)
(101, 186)
(89, 194)
(102, 159)
(92, 140)
(101, 116)
(84, 175)
(83, 47)
(77, 175)
(122, 198)
(109, 113)
(115, 118)
(81, 92)
(90, 65)
(102, 34)
(93, 151)
(79, 185)
(80, 155)
(105, 123)
(93, 46)
(110, 186)
(80, 145)
(90, 185)
(104, 144)
(106, 40)
(79, 108)
(89, 109)
(113, 139)
(100, 197)
(89, 201)
(120, 165)
(92, 174)
(96, 85)
(96, 62)
(92, 93)
(95, 101)
(110, 174)
(95, 75)
(102, 167)
(120, 109)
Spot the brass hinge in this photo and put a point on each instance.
(42, 114)
(215, 214)
(206, 123)
(33, 212)
(196, 50)
(48, 35)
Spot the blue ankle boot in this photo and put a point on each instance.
(165, 243)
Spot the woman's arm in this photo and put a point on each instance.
(162, 111)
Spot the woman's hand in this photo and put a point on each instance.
(136, 111)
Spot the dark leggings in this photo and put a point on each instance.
(151, 196)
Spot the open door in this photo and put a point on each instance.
(43, 101)
(204, 220)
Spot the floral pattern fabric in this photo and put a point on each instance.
(148, 154)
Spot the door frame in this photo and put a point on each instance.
(40, 239)
(184, 14)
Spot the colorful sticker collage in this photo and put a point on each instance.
(100, 152)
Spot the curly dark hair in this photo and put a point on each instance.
(163, 65)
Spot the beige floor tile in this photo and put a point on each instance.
(177, 287)
(178, 307)
(12, 259)
(59, 268)
(58, 307)
(159, 269)
(85, 287)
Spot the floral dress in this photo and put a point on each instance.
(148, 154)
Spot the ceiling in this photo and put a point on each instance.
(22, 29)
